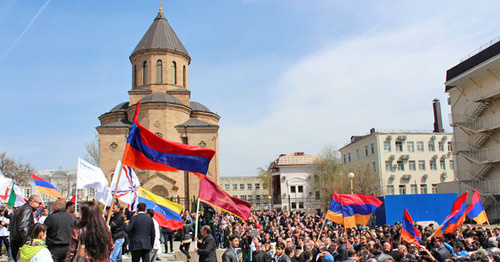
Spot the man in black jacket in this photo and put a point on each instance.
(231, 254)
(116, 223)
(59, 225)
(207, 248)
(141, 233)
(22, 221)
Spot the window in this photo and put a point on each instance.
(242, 186)
(434, 189)
(174, 74)
(399, 146)
(388, 165)
(349, 156)
(257, 197)
(249, 186)
(413, 189)
(401, 165)
(257, 186)
(387, 146)
(442, 164)
(373, 148)
(433, 164)
(423, 189)
(374, 166)
(450, 146)
(431, 146)
(226, 187)
(294, 205)
(91, 193)
(421, 165)
(300, 189)
(301, 204)
(402, 189)
(412, 164)
(411, 146)
(357, 153)
(264, 186)
(390, 189)
(366, 151)
(345, 159)
(159, 72)
(441, 146)
(134, 76)
(184, 76)
(292, 189)
(28, 192)
(420, 146)
(243, 197)
(144, 73)
(249, 198)
(452, 164)
(235, 187)
(317, 195)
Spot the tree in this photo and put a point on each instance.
(92, 151)
(265, 177)
(366, 180)
(16, 170)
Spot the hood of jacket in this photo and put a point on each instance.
(30, 249)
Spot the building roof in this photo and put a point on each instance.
(199, 107)
(48, 173)
(160, 98)
(120, 107)
(192, 122)
(160, 36)
(297, 158)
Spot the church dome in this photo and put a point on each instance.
(160, 36)
(197, 107)
(120, 107)
(160, 98)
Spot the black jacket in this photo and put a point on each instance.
(117, 225)
(260, 256)
(21, 223)
(141, 232)
(207, 249)
(59, 225)
(230, 255)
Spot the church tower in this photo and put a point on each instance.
(160, 65)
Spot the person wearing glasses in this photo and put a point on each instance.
(22, 221)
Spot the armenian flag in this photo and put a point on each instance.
(45, 187)
(352, 209)
(146, 150)
(455, 219)
(476, 210)
(167, 213)
(408, 231)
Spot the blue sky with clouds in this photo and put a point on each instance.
(284, 76)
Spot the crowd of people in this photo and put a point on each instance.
(31, 234)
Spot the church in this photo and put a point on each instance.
(160, 66)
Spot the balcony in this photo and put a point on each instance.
(479, 172)
(491, 187)
(480, 156)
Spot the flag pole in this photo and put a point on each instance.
(197, 219)
(324, 222)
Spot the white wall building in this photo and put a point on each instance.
(248, 188)
(290, 184)
(406, 162)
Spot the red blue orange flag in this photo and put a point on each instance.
(145, 150)
(476, 210)
(455, 219)
(352, 209)
(408, 231)
(45, 187)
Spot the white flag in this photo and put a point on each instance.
(4, 183)
(128, 187)
(89, 176)
(104, 196)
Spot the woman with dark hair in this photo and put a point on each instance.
(34, 249)
(92, 233)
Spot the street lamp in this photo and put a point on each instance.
(351, 176)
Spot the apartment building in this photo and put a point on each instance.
(407, 162)
(248, 188)
(473, 86)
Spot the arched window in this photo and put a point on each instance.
(174, 74)
(184, 76)
(134, 77)
(145, 73)
(159, 72)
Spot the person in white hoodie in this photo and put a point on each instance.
(157, 244)
(34, 250)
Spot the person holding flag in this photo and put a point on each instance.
(22, 221)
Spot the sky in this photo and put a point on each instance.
(284, 75)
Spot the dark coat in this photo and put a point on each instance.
(342, 253)
(141, 232)
(230, 256)
(59, 225)
(441, 253)
(284, 258)
(207, 249)
(21, 223)
(117, 225)
(261, 256)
